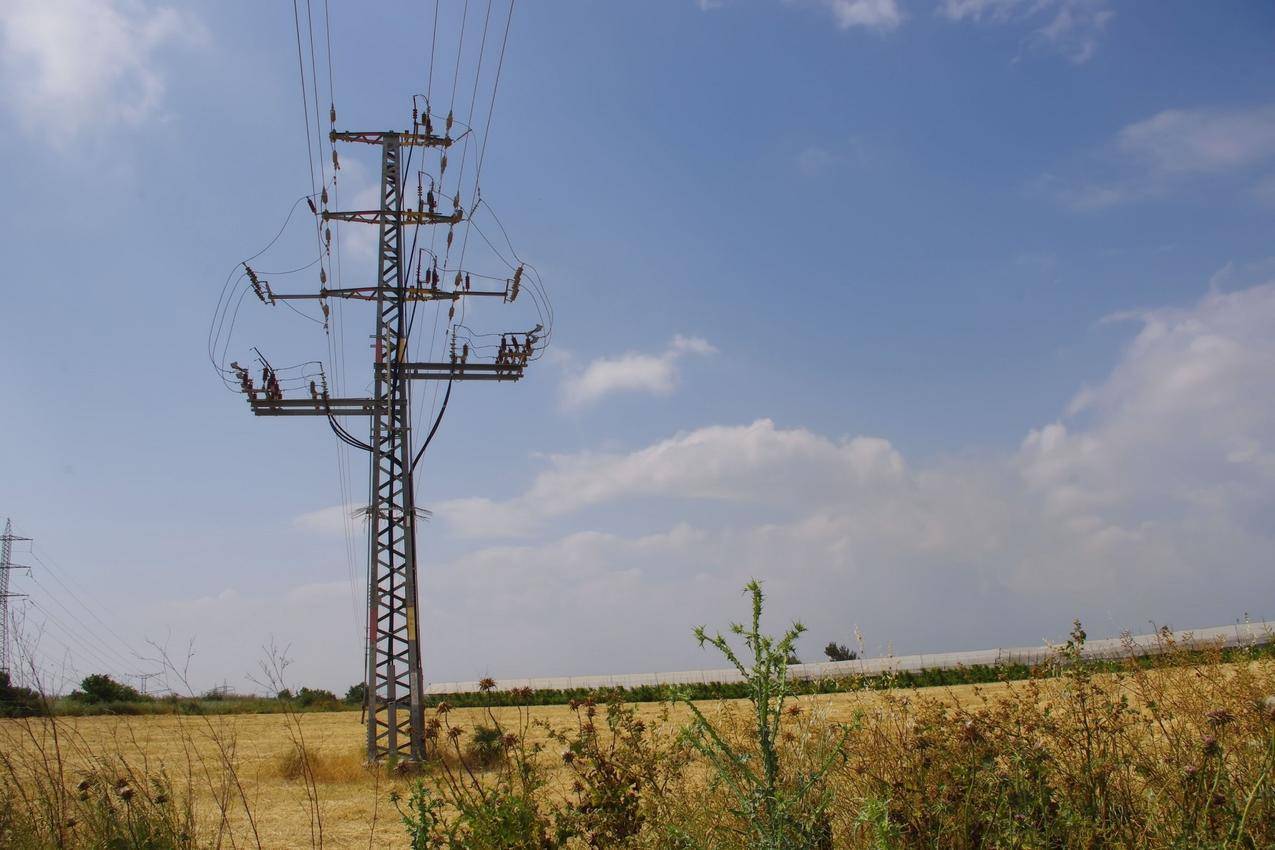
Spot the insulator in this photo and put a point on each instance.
(415, 115)
(458, 280)
(466, 281)
(464, 352)
(336, 164)
(451, 313)
(442, 166)
(332, 113)
(323, 196)
(449, 237)
(323, 275)
(456, 201)
(449, 120)
(327, 236)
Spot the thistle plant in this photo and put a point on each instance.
(779, 809)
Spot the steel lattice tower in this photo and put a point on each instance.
(394, 683)
(6, 566)
(394, 662)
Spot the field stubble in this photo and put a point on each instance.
(249, 786)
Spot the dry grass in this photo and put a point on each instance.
(268, 764)
(280, 781)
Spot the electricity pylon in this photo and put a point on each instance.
(394, 686)
(6, 566)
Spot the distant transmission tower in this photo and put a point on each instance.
(6, 566)
(394, 685)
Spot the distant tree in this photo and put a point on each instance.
(15, 701)
(839, 652)
(356, 693)
(310, 697)
(283, 695)
(792, 658)
(99, 688)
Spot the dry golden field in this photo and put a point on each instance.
(353, 802)
(1152, 740)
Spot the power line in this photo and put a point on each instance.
(53, 573)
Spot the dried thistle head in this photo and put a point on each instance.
(486, 684)
(1219, 717)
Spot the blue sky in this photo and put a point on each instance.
(950, 319)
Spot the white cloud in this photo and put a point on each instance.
(1084, 196)
(881, 15)
(79, 63)
(1149, 498)
(749, 463)
(1072, 28)
(1186, 418)
(656, 374)
(870, 14)
(1166, 151)
(815, 160)
(1183, 141)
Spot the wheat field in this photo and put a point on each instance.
(353, 802)
(247, 788)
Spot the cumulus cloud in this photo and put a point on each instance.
(76, 63)
(1149, 497)
(1072, 28)
(656, 374)
(747, 463)
(1165, 151)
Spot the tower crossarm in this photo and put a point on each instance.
(405, 138)
(369, 293)
(315, 407)
(457, 371)
(394, 216)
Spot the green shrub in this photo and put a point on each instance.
(99, 688)
(18, 702)
(777, 808)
